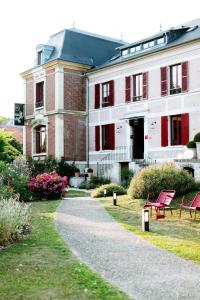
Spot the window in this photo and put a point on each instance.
(137, 87)
(40, 138)
(177, 127)
(107, 134)
(105, 94)
(108, 137)
(124, 52)
(132, 50)
(145, 46)
(39, 58)
(105, 137)
(151, 44)
(176, 130)
(39, 94)
(160, 41)
(137, 48)
(175, 79)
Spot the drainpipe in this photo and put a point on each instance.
(87, 121)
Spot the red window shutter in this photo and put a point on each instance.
(97, 96)
(163, 73)
(184, 129)
(145, 85)
(97, 138)
(111, 97)
(128, 89)
(184, 76)
(164, 131)
(112, 136)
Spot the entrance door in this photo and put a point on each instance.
(138, 137)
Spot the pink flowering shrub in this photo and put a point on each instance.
(49, 186)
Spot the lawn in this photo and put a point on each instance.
(181, 236)
(42, 267)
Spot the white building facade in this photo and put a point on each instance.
(144, 106)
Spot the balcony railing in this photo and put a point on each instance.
(121, 154)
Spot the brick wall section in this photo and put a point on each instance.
(28, 141)
(50, 90)
(74, 90)
(74, 138)
(51, 135)
(29, 96)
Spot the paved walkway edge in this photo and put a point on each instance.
(136, 267)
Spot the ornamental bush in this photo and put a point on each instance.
(14, 221)
(48, 186)
(153, 179)
(110, 188)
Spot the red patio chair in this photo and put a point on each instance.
(194, 206)
(162, 202)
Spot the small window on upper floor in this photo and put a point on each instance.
(125, 52)
(39, 99)
(132, 50)
(145, 46)
(138, 48)
(39, 58)
(152, 43)
(160, 41)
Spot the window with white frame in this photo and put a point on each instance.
(40, 139)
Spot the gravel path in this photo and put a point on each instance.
(138, 268)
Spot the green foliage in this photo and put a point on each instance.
(50, 164)
(191, 144)
(110, 188)
(126, 175)
(6, 192)
(87, 185)
(65, 169)
(42, 166)
(197, 137)
(94, 182)
(20, 186)
(14, 218)
(2, 166)
(10, 148)
(154, 179)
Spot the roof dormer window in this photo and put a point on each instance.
(160, 41)
(39, 57)
(125, 52)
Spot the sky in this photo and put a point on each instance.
(26, 23)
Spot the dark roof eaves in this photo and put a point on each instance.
(139, 56)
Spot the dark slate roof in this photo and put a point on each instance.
(80, 47)
(175, 36)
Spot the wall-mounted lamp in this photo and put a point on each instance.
(115, 198)
(145, 220)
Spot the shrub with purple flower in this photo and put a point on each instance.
(49, 186)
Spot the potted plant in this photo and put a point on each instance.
(191, 152)
(197, 141)
(76, 172)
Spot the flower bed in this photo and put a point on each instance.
(48, 186)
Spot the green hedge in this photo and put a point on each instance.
(99, 192)
(154, 179)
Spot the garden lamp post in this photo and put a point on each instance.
(105, 192)
(145, 220)
(115, 198)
